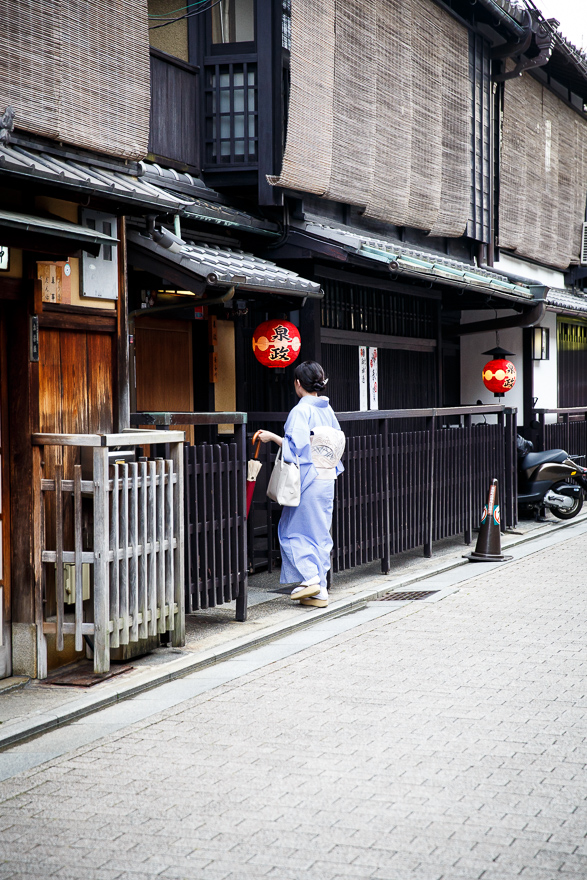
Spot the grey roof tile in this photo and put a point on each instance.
(567, 299)
(83, 177)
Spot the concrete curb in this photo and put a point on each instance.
(119, 689)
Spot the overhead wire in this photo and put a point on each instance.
(187, 15)
(180, 9)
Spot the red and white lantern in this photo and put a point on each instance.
(499, 376)
(276, 343)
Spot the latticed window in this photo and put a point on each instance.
(367, 310)
(231, 113)
(572, 364)
(286, 25)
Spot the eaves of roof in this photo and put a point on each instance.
(559, 300)
(425, 266)
(512, 13)
(220, 267)
(22, 163)
(207, 205)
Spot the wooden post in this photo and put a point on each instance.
(243, 593)
(503, 481)
(143, 517)
(469, 478)
(101, 565)
(431, 426)
(77, 519)
(59, 592)
(122, 341)
(179, 558)
(169, 552)
(38, 538)
(134, 559)
(160, 541)
(386, 500)
(114, 571)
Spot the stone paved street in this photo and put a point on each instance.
(442, 739)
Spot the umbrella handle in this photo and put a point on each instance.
(255, 435)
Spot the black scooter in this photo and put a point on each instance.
(542, 480)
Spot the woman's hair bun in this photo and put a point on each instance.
(311, 376)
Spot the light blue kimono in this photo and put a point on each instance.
(304, 531)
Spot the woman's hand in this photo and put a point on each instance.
(268, 436)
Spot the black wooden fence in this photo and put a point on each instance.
(561, 429)
(411, 477)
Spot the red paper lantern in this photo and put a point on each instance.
(499, 376)
(276, 343)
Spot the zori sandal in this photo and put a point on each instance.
(315, 603)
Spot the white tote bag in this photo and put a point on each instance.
(285, 483)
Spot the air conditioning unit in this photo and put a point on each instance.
(584, 245)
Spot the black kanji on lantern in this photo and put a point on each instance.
(279, 354)
(281, 334)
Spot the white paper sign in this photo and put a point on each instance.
(373, 380)
(363, 379)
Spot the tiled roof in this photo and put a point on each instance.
(567, 300)
(25, 162)
(407, 261)
(207, 205)
(230, 267)
(516, 9)
(224, 215)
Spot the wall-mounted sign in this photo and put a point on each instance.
(276, 343)
(373, 380)
(50, 275)
(363, 379)
(100, 274)
(34, 339)
(4, 258)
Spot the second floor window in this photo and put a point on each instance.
(233, 21)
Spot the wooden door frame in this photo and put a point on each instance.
(5, 484)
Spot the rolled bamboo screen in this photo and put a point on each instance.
(78, 71)
(543, 175)
(379, 111)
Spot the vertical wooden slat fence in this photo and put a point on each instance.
(134, 543)
(411, 479)
(215, 511)
(562, 429)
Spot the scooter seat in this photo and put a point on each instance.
(533, 459)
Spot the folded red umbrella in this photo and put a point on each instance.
(253, 468)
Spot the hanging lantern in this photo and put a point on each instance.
(276, 343)
(499, 374)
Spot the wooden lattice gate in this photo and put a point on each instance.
(120, 513)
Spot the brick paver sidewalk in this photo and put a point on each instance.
(447, 740)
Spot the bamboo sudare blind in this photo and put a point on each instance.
(379, 112)
(78, 71)
(543, 175)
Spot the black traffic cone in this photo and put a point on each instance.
(488, 547)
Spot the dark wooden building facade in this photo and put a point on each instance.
(282, 159)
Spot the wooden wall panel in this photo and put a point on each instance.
(49, 382)
(76, 396)
(100, 382)
(164, 371)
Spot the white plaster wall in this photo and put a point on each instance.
(524, 269)
(473, 361)
(546, 373)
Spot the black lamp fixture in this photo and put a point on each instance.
(540, 344)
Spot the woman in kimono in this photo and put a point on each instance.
(312, 436)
